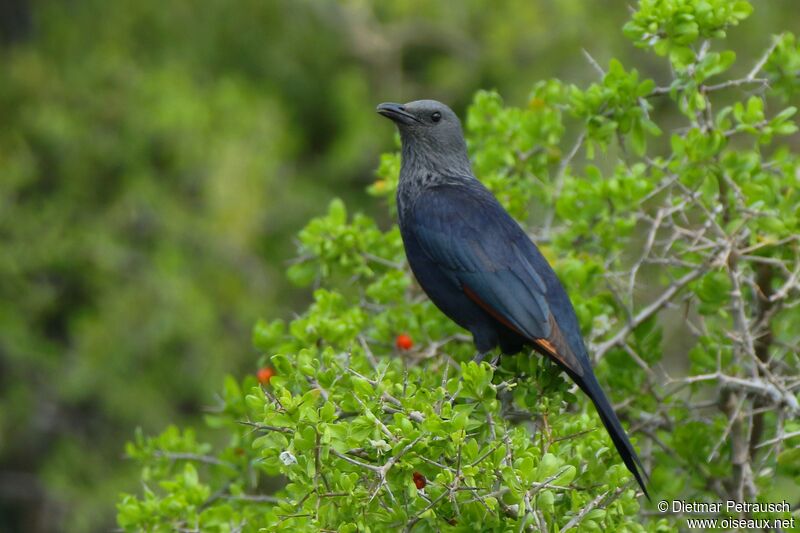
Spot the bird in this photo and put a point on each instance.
(477, 264)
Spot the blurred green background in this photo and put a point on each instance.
(156, 159)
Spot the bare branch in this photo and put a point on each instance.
(647, 312)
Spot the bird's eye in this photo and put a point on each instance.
(436, 116)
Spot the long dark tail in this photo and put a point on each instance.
(591, 387)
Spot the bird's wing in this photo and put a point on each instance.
(486, 254)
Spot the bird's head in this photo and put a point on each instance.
(427, 127)
(419, 115)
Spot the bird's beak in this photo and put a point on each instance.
(396, 113)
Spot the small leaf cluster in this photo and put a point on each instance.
(331, 246)
(616, 106)
(783, 65)
(673, 26)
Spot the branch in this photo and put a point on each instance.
(261, 498)
(647, 312)
(735, 83)
(589, 507)
(753, 385)
(593, 62)
(781, 438)
(763, 61)
(184, 456)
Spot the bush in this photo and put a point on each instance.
(359, 429)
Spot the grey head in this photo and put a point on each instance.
(431, 135)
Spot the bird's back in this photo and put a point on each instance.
(469, 216)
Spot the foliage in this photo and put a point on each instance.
(122, 265)
(154, 168)
(370, 436)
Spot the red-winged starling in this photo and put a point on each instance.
(477, 264)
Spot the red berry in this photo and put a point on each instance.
(264, 375)
(403, 342)
(419, 480)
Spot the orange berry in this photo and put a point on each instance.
(403, 342)
(264, 375)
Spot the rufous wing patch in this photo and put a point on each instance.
(547, 345)
(556, 346)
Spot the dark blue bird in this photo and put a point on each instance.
(477, 264)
